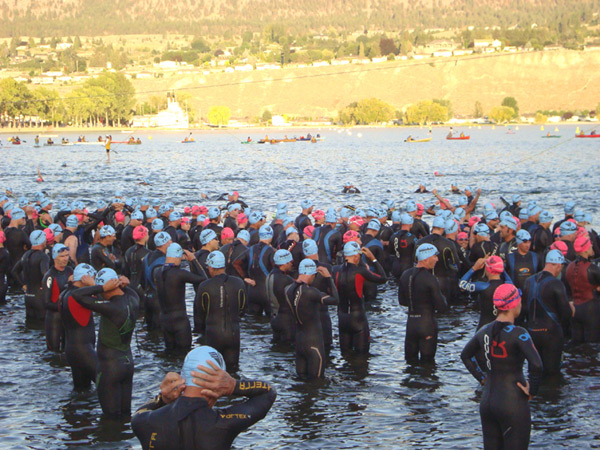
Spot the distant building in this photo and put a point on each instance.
(487, 44)
(173, 117)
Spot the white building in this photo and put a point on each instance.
(173, 117)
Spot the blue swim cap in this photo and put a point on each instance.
(372, 211)
(360, 213)
(200, 357)
(411, 206)
(162, 209)
(37, 209)
(282, 206)
(481, 229)
(459, 214)
(510, 222)
(588, 218)
(331, 216)
(451, 227)
(174, 250)
(555, 257)
(307, 267)
(144, 200)
(381, 213)
(425, 251)
(531, 204)
(516, 198)
(118, 194)
(244, 234)
(488, 207)
(282, 257)
(45, 202)
(468, 188)
(156, 202)
(396, 216)
(23, 201)
(161, 238)
(107, 230)
(351, 248)
(216, 260)
(407, 219)
(462, 200)
(56, 228)
(230, 208)
(214, 213)
(579, 216)
(374, 224)
(535, 209)
(17, 213)
(287, 221)
(105, 275)
(207, 235)
(523, 214)
(174, 216)
(523, 236)
(309, 247)
(389, 204)
(504, 215)
(280, 214)
(57, 249)
(439, 222)
(567, 228)
(157, 225)
(81, 270)
(137, 215)
(290, 230)
(63, 205)
(265, 232)
(151, 213)
(38, 196)
(37, 237)
(345, 213)
(545, 217)
(101, 204)
(305, 204)
(490, 215)
(254, 217)
(569, 208)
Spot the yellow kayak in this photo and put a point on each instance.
(418, 140)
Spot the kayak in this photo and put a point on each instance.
(50, 145)
(126, 142)
(587, 135)
(458, 138)
(188, 142)
(551, 136)
(16, 142)
(250, 142)
(418, 140)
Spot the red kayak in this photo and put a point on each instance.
(587, 135)
(458, 138)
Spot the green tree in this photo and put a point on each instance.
(200, 45)
(373, 110)
(478, 110)
(426, 111)
(447, 104)
(266, 116)
(15, 98)
(219, 115)
(540, 118)
(48, 105)
(120, 96)
(387, 46)
(501, 114)
(511, 102)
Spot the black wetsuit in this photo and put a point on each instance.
(420, 290)
(170, 281)
(256, 263)
(352, 318)
(172, 231)
(548, 313)
(447, 267)
(216, 228)
(376, 247)
(302, 221)
(230, 222)
(133, 269)
(232, 252)
(29, 271)
(504, 408)
(80, 339)
(5, 267)
(54, 282)
(419, 228)
(115, 361)
(583, 278)
(127, 238)
(17, 243)
(505, 249)
(283, 323)
(401, 250)
(322, 284)
(101, 258)
(152, 261)
(304, 302)
(541, 240)
(219, 303)
(189, 423)
(520, 267)
(295, 248)
(329, 242)
(482, 250)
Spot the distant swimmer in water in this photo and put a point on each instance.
(40, 179)
(438, 174)
(349, 188)
(145, 182)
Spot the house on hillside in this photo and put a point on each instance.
(441, 44)
(487, 45)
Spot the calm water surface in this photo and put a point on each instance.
(377, 402)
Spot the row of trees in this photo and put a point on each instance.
(108, 99)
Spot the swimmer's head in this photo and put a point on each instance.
(200, 357)
(506, 297)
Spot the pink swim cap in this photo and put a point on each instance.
(473, 220)
(49, 235)
(185, 220)
(581, 231)
(494, 265)
(206, 222)
(350, 235)
(187, 210)
(242, 218)
(506, 296)
(462, 235)
(357, 220)
(318, 214)
(119, 216)
(443, 205)
(80, 217)
(560, 246)
(140, 232)
(582, 243)
(195, 210)
(227, 233)
(420, 207)
(309, 231)
(203, 210)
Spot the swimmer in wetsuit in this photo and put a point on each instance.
(17, 240)
(328, 238)
(420, 290)
(80, 334)
(219, 303)
(504, 408)
(304, 302)
(182, 415)
(234, 250)
(133, 262)
(152, 261)
(170, 281)
(349, 280)
(118, 308)
(283, 323)
(522, 264)
(54, 282)
(402, 247)
(583, 280)
(29, 272)
(4, 267)
(102, 254)
(548, 311)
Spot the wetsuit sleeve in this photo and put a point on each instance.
(60, 217)
(466, 285)
(561, 302)
(468, 358)
(197, 269)
(377, 277)
(152, 405)
(439, 301)
(85, 296)
(594, 274)
(47, 293)
(403, 300)
(193, 278)
(17, 271)
(97, 252)
(239, 417)
(201, 301)
(44, 263)
(534, 361)
(241, 263)
(333, 298)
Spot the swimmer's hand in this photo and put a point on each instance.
(171, 387)
(124, 281)
(111, 285)
(188, 256)
(324, 272)
(214, 381)
(479, 264)
(88, 280)
(250, 281)
(525, 389)
(368, 253)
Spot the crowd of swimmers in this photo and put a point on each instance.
(534, 280)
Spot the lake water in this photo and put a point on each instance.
(374, 402)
